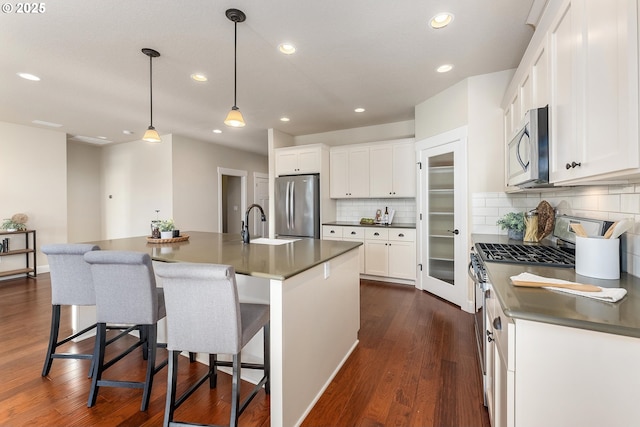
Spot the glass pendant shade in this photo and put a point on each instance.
(234, 118)
(151, 135)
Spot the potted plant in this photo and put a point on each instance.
(513, 222)
(166, 227)
(15, 223)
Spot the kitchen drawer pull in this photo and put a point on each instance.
(376, 234)
(497, 324)
(353, 232)
(332, 231)
(401, 235)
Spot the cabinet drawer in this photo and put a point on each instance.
(353, 233)
(376, 234)
(403, 234)
(331, 232)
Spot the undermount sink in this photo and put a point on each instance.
(273, 242)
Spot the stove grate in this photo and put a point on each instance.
(525, 254)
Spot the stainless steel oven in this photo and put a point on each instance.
(478, 274)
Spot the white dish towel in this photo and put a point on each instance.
(606, 294)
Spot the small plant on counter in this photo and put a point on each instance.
(512, 221)
(166, 225)
(16, 222)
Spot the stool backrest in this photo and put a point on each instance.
(125, 287)
(71, 280)
(203, 310)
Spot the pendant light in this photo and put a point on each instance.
(234, 118)
(151, 135)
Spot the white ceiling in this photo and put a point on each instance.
(380, 55)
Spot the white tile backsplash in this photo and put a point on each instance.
(609, 203)
(355, 209)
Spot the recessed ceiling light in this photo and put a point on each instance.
(359, 110)
(287, 48)
(217, 131)
(128, 132)
(441, 20)
(43, 123)
(284, 119)
(28, 76)
(199, 77)
(444, 68)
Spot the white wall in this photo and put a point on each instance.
(385, 132)
(195, 180)
(136, 181)
(33, 162)
(442, 112)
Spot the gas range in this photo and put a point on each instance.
(548, 256)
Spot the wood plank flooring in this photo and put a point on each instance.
(416, 365)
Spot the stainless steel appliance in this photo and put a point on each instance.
(479, 276)
(298, 206)
(528, 155)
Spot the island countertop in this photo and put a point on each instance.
(259, 260)
(563, 309)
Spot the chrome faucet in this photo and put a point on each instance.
(245, 224)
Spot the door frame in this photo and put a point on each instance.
(243, 191)
(261, 176)
(456, 140)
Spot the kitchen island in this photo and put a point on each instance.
(312, 287)
(558, 359)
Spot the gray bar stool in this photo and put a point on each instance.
(71, 284)
(126, 293)
(204, 315)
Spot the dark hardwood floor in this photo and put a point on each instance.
(416, 365)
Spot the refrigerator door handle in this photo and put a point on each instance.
(286, 204)
(293, 205)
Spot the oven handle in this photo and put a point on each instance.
(473, 277)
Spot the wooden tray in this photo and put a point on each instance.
(182, 238)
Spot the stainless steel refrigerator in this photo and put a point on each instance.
(298, 206)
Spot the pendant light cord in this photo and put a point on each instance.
(151, 89)
(235, 63)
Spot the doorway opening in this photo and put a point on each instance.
(232, 199)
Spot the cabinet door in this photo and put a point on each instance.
(339, 174)
(309, 160)
(562, 121)
(402, 260)
(540, 77)
(381, 161)
(376, 257)
(358, 172)
(286, 162)
(404, 170)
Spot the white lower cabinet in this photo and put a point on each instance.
(390, 252)
(386, 252)
(565, 376)
(348, 234)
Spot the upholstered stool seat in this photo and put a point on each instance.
(204, 315)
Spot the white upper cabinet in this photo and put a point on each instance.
(349, 171)
(583, 63)
(298, 160)
(393, 170)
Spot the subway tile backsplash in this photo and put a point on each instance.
(600, 202)
(355, 209)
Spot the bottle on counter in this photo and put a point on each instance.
(385, 217)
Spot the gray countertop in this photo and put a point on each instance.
(268, 261)
(357, 224)
(543, 305)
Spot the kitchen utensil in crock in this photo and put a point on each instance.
(621, 227)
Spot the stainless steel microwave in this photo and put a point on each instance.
(528, 153)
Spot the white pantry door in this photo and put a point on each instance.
(442, 216)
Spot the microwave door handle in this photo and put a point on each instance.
(518, 157)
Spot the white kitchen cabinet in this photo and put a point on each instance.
(349, 171)
(347, 234)
(298, 160)
(593, 47)
(392, 169)
(390, 252)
